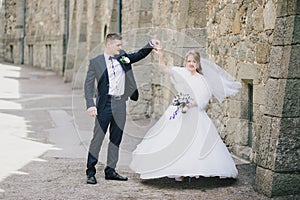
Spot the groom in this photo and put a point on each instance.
(112, 71)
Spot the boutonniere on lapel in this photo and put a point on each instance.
(125, 60)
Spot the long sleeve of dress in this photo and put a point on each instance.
(194, 85)
(215, 81)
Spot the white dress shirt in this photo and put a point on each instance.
(116, 76)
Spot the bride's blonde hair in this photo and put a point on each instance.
(197, 57)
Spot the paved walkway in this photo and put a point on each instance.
(44, 135)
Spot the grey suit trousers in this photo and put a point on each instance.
(113, 116)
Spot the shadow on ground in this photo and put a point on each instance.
(246, 177)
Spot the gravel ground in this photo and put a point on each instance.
(64, 178)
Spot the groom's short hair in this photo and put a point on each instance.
(113, 36)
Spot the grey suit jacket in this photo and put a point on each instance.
(97, 70)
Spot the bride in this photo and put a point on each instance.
(184, 142)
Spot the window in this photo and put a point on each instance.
(250, 113)
(104, 33)
(11, 53)
(30, 54)
(48, 55)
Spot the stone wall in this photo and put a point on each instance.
(240, 36)
(2, 29)
(43, 33)
(278, 158)
(45, 26)
(10, 43)
(87, 30)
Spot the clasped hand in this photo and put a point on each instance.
(92, 111)
(188, 106)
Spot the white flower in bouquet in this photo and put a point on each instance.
(180, 101)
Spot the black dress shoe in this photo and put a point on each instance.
(115, 176)
(91, 180)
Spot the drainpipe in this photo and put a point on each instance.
(23, 34)
(120, 16)
(66, 36)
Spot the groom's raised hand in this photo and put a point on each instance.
(155, 44)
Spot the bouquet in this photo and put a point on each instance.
(180, 101)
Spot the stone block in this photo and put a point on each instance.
(145, 5)
(276, 184)
(230, 62)
(243, 51)
(269, 15)
(256, 130)
(243, 152)
(291, 101)
(282, 99)
(236, 26)
(279, 61)
(290, 7)
(79, 78)
(248, 71)
(263, 181)
(286, 184)
(258, 111)
(140, 72)
(237, 109)
(95, 38)
(243, 111)
(144, 18)
(279, 144)
(195, 37)
(241, 131)
(135, 38)
(258, 20)
(259, 94)
(138, 111)
(194, 14)
(294, 62)
(285, 62)
(275, 92)
(296, 39)
(262, 51)
(287, 153)
(284, 31)
(267, 142)
(68, 75)
(225, 26)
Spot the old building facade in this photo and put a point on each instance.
(257, 41)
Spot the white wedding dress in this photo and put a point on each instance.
(188, 145)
